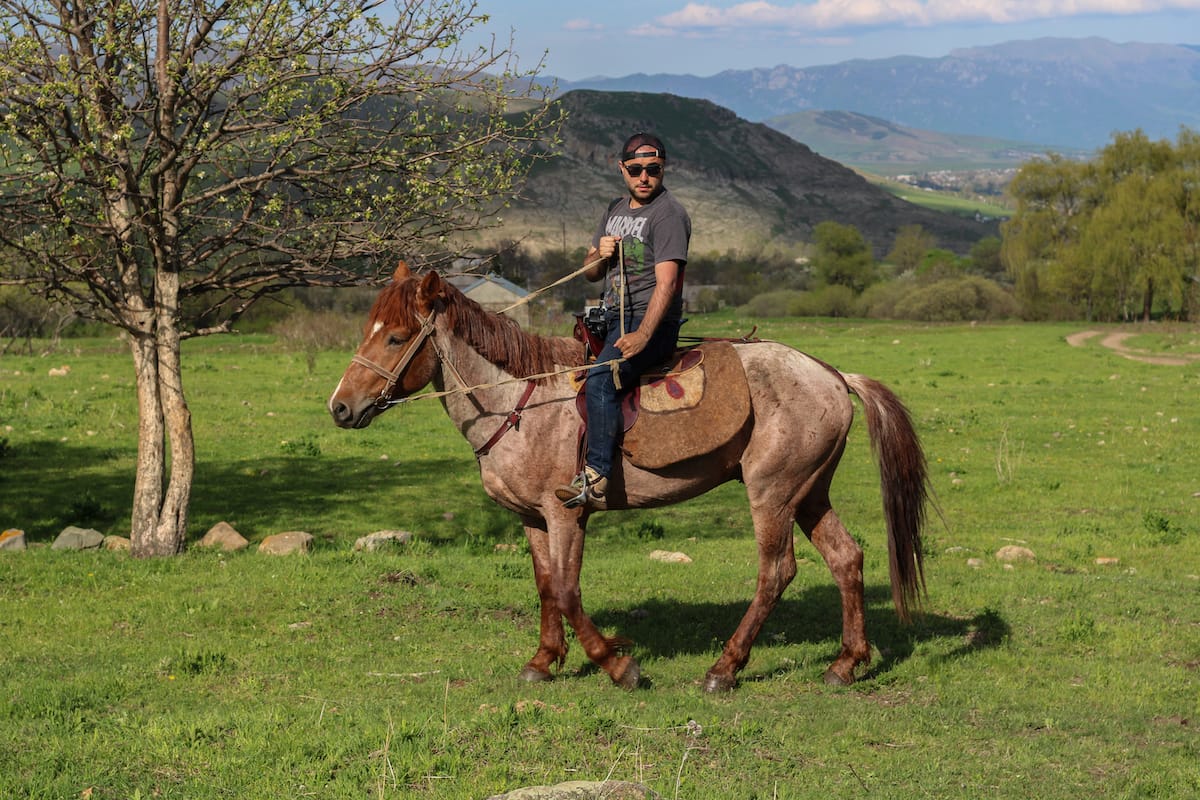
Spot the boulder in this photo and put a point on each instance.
(381, 539)
(286, 543)
(119, 543)
(224, 536)
(73, 538)
(1012, 552)
(669, 557)
(582, 790)
(12, 539)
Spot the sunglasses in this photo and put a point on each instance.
(635, 170)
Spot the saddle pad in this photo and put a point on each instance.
(697, 405)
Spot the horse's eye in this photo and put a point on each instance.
(394, 341)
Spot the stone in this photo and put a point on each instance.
(286, 543)
(224, 536)
(116, 543)
(1012, 552)
(1104, 561)
(582, 790)
(381, 539)
(668, 557)
(12, 539)
(975, 563)
(73, 538)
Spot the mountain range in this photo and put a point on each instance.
(1070, 93)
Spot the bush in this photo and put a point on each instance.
(314, 331)
(828, 301)
(957, 300)
(773, 304)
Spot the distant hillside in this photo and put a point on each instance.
(1062, 92)
(743, 183)
(877, 145)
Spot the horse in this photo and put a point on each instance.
(509, 394)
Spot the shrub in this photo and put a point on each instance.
(773, 304)
(959, 299)
(828, 301)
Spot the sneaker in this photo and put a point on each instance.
(589, 487)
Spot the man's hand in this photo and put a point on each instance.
(632, 343)
(608, 246)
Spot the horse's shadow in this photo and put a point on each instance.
(667, 629)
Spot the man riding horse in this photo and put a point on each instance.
(640, 249)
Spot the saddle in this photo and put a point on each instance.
(698, 401)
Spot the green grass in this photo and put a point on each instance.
(944, 201)
(343, 675)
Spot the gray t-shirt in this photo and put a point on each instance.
(658, 231)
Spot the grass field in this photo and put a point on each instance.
(392, 675)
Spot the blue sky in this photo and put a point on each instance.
(704, 37)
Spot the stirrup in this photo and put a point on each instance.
(592, 489)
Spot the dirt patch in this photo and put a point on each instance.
(1116, 343)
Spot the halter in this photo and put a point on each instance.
(393, 377)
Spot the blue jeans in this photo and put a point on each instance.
(604, 398)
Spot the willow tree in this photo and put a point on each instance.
(166, 163)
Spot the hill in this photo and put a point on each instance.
(880, 146)
(1061, 92)
(745, 184)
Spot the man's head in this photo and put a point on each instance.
(643, 159)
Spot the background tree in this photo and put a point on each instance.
(165, 163)
(909, 247)
(1114, 238)
(1049, 196)
(842, 257)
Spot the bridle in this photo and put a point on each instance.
(393, 376)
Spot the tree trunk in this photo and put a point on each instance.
(163, 484)
(1148, 301)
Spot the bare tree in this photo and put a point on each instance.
(166, 163)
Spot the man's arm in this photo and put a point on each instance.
(666, 276)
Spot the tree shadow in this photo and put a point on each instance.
(667, 629)
(46, 486)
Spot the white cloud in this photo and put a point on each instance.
(841, 14)
(584, 25)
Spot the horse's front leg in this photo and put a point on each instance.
(565, 563)
(552, 641)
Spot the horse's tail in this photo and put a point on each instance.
(904, 481)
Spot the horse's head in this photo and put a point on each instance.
(394, 359)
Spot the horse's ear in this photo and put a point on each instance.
(432, 289)
(402, 271)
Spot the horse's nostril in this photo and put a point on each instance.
(340, 411)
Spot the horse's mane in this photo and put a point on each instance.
(494, 336)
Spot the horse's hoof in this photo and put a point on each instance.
(834, 679)
(714, 684)
(631, 678)
(534, 675)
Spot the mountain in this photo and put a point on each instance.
(1059, 92)
(744, 184)
(877, 145)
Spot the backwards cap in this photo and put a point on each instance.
(629, 149)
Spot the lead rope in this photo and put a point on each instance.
(616, 375)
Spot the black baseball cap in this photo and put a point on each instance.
(629, 149)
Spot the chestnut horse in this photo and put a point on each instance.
(424, 331)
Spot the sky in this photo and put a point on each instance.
(615, 38)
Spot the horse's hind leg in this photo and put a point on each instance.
(776, 568)
(845, 559)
